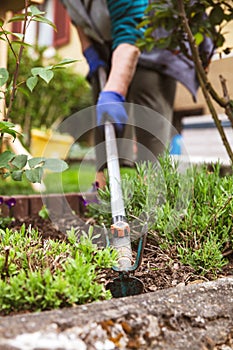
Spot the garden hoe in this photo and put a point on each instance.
(125, 284)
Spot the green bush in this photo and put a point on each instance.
(67, 93)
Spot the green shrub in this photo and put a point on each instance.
(67, 93)
(42, 275)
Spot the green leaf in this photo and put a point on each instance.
(6, 157)
(4, 75)
(216, 15)
(5, 32)
(64, 62)
(33, 162)
(17, 18)
(12, 133)
(198, 38)
(46, 75)
(18, 35)
(219, 40)
(24, 91)
(144, 23)
(55, 165)
(17, 175)
(1, 22)
(148, 31)
(163, 43)
(32, 82)
(36, 70)
(34, 175)
(16, 42)
(42, 19)
(20, 161)
(6, 125)
(7, 128)
(35, 11)
(44, 212)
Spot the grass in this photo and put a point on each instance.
(78, 178)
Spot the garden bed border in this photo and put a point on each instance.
(30, 205)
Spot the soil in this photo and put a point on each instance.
(192, 315)
(158, 270)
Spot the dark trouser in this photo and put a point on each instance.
(150, 107)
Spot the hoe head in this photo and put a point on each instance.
(125, 285)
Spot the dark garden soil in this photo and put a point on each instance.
(158, 270)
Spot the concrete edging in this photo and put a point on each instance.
(197, 316)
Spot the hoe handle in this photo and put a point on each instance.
(120, 229)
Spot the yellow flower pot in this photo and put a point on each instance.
(50, 144)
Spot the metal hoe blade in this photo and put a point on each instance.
(124, 286)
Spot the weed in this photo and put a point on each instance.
(44, 212)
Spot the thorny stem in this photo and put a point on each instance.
(206, 87)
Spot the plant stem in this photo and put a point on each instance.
(5, 267)
(216, 119)
(18, 60)
(229, 111)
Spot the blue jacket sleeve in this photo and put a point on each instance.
(125, 16)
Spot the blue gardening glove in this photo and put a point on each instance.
(94, 61)
(110, 106)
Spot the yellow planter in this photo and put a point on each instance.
(50, 144)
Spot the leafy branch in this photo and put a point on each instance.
(185, 26)
(11, 164)
(206, 86)
(27, 17)
(16, 165)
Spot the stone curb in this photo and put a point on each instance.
(196, 316)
